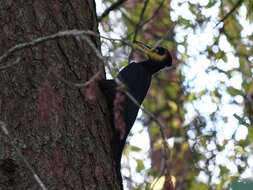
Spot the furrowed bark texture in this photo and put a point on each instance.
(64, 135)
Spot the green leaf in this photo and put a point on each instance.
(234, 92)
(198, 186)
(211, 3)
(130, 148)
(158, 145)
(158, 183)
(184, 22)
(245, 66)
(232, 27)
(250, 134)
(135, 148)
(154, 130)
(250, 10)
(140, 165)
(173, 106)
(221, 55)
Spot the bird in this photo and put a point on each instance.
(136, 78)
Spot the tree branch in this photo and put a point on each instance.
(77, 85)
(145, 22)
(236, 6)
(61, 34)
(107, 11)
(154, 14)
(140, 19)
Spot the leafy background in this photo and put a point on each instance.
(205, 101)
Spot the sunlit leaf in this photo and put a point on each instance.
(221, 55)
(158, 183)
(130, 148)
(173, 106)
(154, 130)
(211, 3)
(134, 148)
(232, 27)
(245, 66)
(250, 134)
(140, 165)
(198, 186)
(158, 145)
(249, 4)
(234, 92)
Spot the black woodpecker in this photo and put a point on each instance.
(137, 78)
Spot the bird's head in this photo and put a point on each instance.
(161, 54)
(158, 54)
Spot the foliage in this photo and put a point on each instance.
(207, 102)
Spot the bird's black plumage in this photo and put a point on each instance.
(137, 78)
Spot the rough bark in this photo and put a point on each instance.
(62, 134)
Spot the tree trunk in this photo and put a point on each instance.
(61, 133)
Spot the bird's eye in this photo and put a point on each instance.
(160, 50)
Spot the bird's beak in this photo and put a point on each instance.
(148, 51)
(142, 44)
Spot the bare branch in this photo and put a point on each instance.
(4, 129)
(77, 85)
(155, 13)
(37, 41)
(140, 19)
(61, 34)
(146, 21)
(163, 38)
(107, 11)
(236, 6)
